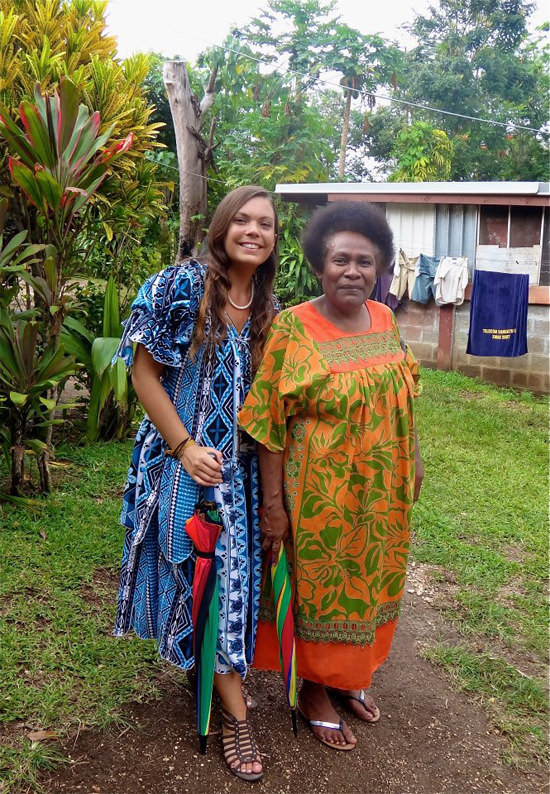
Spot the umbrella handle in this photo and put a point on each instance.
(209, 489)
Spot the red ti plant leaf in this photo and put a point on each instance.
(24, 177)
(62, 156)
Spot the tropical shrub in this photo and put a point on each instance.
(58, 160)
(112, 401)
(28, 371)
(296, 281)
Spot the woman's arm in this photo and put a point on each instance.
(274, 523)
(197, 460)
(418, 468)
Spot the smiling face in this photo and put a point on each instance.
(250, 236)
(349, 271)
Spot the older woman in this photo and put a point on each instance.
(332, 410)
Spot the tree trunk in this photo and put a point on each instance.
(186, 115)
(344, 138)
(43, 459)
(44, 472)
(17, 454)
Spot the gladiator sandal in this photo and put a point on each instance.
(239, 745)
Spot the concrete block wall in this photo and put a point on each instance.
(419, 325)
(530, 371)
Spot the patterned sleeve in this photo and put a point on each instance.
(289, 370)
(163, 314)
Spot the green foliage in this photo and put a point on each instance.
(295, 281)
(423, 154)
(315, 41)
(27, 370)
(91, 202)
(47, 41)
(475, 58)
(28, 373)
(59, 160)
(472, 58)
(112, 400)
(264, 134)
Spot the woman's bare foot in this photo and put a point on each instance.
(359, 702)
(315, 706)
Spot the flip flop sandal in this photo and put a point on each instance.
(239, 745)
(343, 697)
(333, 726)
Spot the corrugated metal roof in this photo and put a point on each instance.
(416, 188)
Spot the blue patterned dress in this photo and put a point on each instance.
(155, 597)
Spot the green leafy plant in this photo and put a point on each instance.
(21, 366)
(112, 399)
(58, 160)
(423, 154)
(296, 281)
(27, 373)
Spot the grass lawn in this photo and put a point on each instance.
(482, 524)
(481, 528)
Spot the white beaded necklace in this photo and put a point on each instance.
(246, 305)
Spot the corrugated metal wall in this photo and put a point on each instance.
(456, 231)
(413, 227)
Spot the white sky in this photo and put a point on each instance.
(177, 27)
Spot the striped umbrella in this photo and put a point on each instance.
(282, 597)
(204, 529)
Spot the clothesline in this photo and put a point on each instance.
(421, 277)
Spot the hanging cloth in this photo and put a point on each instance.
(424, 285)
(451, 279)
(403, 281)
(498, 314)
(381, 291)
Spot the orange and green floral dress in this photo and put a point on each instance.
(340, 407)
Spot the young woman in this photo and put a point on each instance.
(200, 331)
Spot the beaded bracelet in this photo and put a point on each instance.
(176, 452)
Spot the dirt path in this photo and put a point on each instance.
(430, 740)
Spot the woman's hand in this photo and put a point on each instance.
(274, 526)
(203, 464)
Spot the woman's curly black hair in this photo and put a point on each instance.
(347, 216)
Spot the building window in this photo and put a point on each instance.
(493, 226)
(510, 227)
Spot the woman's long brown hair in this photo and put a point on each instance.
(217, 283)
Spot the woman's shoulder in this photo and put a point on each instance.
(190, 271)
(381, 315)
(177, 282)
(288, 318)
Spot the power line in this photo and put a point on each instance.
(189, 173)
(506, 125)
(332, 84)
(407, 103)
